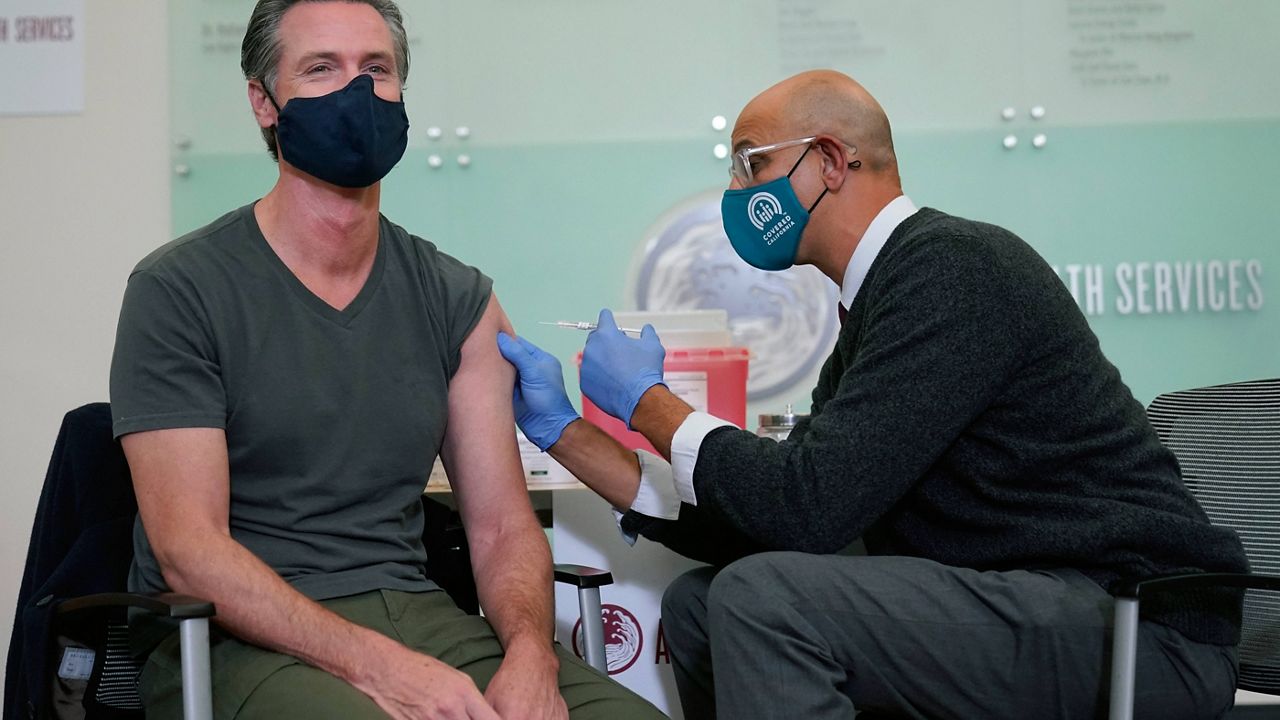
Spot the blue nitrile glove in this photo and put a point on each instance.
(542, 408)
(617, 370)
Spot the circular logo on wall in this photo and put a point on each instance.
(622, 638)
(787, 318)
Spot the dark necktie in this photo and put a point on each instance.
(841, 312)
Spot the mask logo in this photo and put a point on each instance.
(762, 208)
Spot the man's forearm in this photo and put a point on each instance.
(658, 415)
(514, 584)
(599, 461)
(256, 605)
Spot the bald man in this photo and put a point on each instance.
(966, 427)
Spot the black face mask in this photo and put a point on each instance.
(350, 137)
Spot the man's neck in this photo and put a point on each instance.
(833, 255)
(320, 230)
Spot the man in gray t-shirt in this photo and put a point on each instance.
(284, 379)
(331, 416)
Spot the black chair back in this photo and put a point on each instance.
(448, 555)
(80, 545)
(1227, 441)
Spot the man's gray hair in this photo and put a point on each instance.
(260, 51)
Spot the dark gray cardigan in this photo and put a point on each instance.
(967, 415)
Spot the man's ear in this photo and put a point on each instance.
(263, 109)
(835, 160)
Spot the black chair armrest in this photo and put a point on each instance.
(1133, 588)
(180, 607)
(582, 576)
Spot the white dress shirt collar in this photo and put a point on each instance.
(877, 234)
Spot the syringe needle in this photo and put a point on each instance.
(582, 325)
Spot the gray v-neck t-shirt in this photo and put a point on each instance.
(333, 418)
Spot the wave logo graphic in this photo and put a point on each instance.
(762, 208)
(623, 639)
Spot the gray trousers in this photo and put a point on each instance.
(792, 635)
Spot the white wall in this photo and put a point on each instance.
(82, 198)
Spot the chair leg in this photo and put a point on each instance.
(592, 628)
(197, 694)
(1124, 654)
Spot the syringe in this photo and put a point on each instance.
(583, 326)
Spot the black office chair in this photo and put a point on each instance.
(1227, 441)
(71, 597)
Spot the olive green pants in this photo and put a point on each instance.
(250, 683)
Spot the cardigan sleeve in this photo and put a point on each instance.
(698, 534)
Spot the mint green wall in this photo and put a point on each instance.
(589, 120)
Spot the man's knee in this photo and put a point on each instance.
(684, 603)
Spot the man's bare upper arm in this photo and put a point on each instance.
(181, 477)
(480, 452)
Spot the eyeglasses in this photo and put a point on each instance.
(741, 169)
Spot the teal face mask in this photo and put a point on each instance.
(764, 223)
